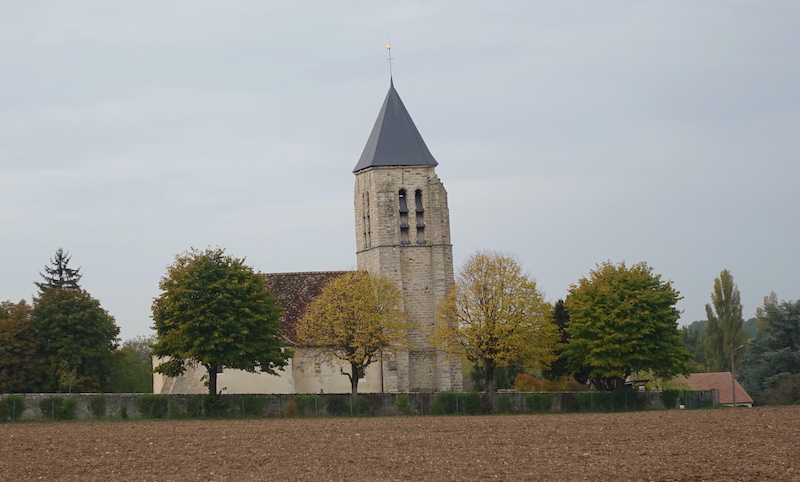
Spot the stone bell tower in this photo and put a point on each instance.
(403, 234)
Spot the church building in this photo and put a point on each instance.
(402, 227)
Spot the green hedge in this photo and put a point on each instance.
(309, 405)
(402, 404)
(251, 406)
(539, 402)
(456, 403)
(11, 408)
(670, 398)
(152, 406)
(58, 408)
(97, 405)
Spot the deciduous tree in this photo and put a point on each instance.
(496, 316)
(77, 338)
(59, 274)
(20, 368)
(693, 338)
(357, 319)
(724, 330)
(624, 319)
(132, 367)
(215, 311)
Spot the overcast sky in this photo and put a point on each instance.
(567, 133)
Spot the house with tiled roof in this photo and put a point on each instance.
(402, 227)
(725, 386)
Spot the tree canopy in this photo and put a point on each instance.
(559, 367)
(624, 319)
(76, 337)
(774, 355)
(496, 316)
(20, 367)
(357, 319)
(215, 311)
(59, 274)
(724, 330)
(132, 367)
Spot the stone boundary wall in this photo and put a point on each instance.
(127, 405)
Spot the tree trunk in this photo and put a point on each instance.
(212, 379)
(607, 384)
(355, 374)
(490, 366)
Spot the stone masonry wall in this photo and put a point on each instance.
(280, 405)
(422, 268)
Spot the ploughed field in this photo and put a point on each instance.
(725, 444)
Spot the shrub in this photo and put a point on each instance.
(562, 384)
(628, 399)
(784, 390)
(3, 411)
(669, 398)
(58, 408)
(152, 406)
(526, 383)
(361, 407)
(504, 404)
(337, 405)
(68, 409)
(539, 402)
(97, 405)
(174, 409)
(606, 401)
(341, 405)
(402, 404)
(569, 402)
(123, 412)
(252, 406)
(215, 405)
(194, 407)
(14, 406)
(290, 409)
(309, 405)
(51, 407)
(449, 403)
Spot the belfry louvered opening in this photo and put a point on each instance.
(404, 239)
(420, 216)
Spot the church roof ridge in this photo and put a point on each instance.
(394, 140)
(308, 272)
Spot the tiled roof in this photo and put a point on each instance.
(295, 291)
(395, 140)
(721, 382)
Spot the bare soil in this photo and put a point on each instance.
(718, 445)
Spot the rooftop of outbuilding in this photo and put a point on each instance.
(295, 291)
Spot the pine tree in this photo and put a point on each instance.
(59, 274)
(561, 320)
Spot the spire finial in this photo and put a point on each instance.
(389, 49)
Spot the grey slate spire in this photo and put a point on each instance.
(395, 140)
